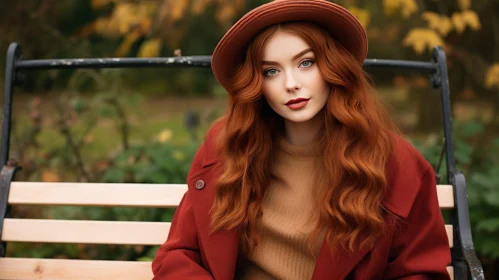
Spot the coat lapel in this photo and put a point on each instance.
(336, 266)
(220, 248)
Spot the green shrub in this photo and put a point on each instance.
(476, 156)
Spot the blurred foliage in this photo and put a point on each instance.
(157, 160)
(86, 28)
(169, 20)
(107, 104)
(480, 165)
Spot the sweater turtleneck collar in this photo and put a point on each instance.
(309, 150)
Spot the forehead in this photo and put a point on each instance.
(283, 46)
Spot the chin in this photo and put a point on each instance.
(299, 119)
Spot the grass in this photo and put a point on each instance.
(147, 119)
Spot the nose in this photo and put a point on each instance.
(291, 83)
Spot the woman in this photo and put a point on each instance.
(305, 177)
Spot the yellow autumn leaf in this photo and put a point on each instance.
(464, 4)
(146, 25)
(466, 18)
(127, 43)
(406, 7)
(421, 39)
(440, 23)
(177, 9)
(458, 21)
(150, 48)
(124, 17)
(146, 8)
(362, 15)
(164, 136)
(492, 76)
(172, 10)
(127, 16)
(472, 20)
(101, 26)
(390, 6)
(50, 176)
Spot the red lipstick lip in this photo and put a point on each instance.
(296, 100)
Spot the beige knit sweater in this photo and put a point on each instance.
(283, 251)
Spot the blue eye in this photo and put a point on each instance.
(270, 72)
(307, 63)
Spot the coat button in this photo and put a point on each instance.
(199, 184)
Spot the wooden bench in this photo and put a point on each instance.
(101, 232)
(452, 196)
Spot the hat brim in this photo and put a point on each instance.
(340, 23)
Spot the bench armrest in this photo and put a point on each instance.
(462, 232)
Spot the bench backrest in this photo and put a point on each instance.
(102, 232)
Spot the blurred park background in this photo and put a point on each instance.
(144, 125)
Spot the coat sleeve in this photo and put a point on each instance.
(421, 249)
(179, 257)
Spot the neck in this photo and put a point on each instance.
(302, 133)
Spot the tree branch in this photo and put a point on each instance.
(123, 123)
(64, 128)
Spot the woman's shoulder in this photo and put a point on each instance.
(215, 130)
(207, 153)
(212, 138)
(405, 170)
(406, 157)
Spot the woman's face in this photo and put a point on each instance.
(292, 83)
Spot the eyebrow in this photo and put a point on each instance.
(294, 57)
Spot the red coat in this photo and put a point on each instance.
(417, 248)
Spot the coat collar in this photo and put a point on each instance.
(211, 156)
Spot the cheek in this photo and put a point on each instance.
(325, 88)
(269, 94)
(321, 86)
(323, 92)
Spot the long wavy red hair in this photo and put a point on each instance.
(356, 145)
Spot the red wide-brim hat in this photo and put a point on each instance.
(340, 23)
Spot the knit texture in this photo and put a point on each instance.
(283, 251)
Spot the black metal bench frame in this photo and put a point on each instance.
(464, 259)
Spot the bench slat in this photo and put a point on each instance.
(56, 269)
(96, 232)
(450, 235)
(97, 194)
(85, 232)
(445, 196)
(132, 195)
